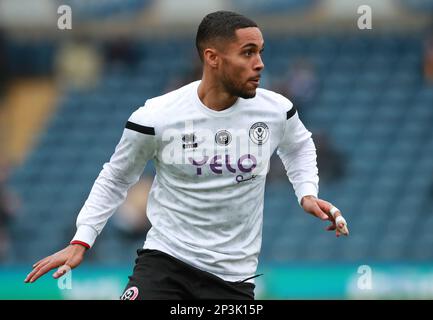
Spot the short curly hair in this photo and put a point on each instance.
(220, 24)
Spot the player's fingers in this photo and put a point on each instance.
(331, 227)
(316, 211)
(43, 271)
(313, 208)
(347, 231)
(342, 225)
(343, 229)
(31, 274)
(35, 270)
(325, 206)
(41, 261)
(40, 272)
(70, 264)
(61, 271)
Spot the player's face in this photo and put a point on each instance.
(241, 63)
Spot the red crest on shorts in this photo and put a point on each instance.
(130, 294)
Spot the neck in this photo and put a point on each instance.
(213, 95)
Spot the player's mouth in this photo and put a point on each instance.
(255, 80)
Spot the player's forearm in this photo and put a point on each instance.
(301, 168)
(106, 196)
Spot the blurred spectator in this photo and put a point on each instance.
(131, 217)
(329, 160)
(78, 64)
(122, 51)
(428, 59)
(299, 84)
(277, 173)
(194, 74)
(8, 207)
(3, 66)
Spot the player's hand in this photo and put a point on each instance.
(66, 259)
(326, 211)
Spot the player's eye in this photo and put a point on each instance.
(249, 53)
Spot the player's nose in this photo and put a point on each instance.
(259, 65)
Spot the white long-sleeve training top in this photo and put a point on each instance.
(206, 201)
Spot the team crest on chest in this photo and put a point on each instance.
(259, 133)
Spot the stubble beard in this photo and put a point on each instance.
(237, 90)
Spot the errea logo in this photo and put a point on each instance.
(189, 141)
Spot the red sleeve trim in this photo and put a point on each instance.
(81, 243)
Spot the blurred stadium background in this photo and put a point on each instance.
(367, 96)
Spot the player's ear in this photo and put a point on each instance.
(211, 57)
